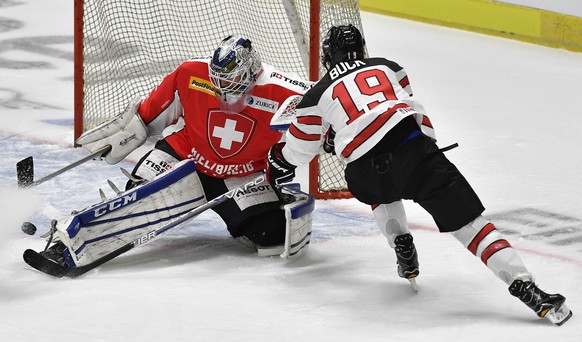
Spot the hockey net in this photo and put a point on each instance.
(123, 48)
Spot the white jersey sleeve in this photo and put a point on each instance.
(362, 100)
(304, 138)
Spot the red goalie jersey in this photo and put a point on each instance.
(223, 144)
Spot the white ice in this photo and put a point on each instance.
(514, 109)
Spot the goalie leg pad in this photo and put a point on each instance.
(482, 239)
(131, 216)
(299, 223)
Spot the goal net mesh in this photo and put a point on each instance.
(130, 45)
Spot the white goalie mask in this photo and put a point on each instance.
(234, 69)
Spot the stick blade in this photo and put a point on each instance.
(286, 113)
(41, 263)
(25, 172)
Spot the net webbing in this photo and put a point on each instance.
(130, 45)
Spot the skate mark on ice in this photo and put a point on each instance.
(541, 226)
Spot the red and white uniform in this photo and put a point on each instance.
(223, 145)
(361, 100)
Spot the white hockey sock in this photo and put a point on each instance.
(482, 239)
(391, 218)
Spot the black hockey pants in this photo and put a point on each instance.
(415, 170)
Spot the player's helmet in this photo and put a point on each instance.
(342, 43)
(233, 70)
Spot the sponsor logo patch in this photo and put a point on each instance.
(291, 81)
(200, 84)
(115, 204)
(262, 104)
(125, 141)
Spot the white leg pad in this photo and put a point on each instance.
(299, 223)
(482, 239)
(131, 215)
(391, 218)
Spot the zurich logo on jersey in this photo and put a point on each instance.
(262, 104)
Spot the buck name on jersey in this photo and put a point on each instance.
(222, 144)
(359, 124)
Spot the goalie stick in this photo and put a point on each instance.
(25, 168)
(45, 265)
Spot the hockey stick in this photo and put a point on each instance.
(25, 168)
(41, 263)
(286, 113)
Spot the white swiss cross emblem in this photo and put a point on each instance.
(229, 133)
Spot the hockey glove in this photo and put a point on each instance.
(124, 132)
(329, 142)
(279, 170)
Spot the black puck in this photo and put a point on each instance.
(28, 228)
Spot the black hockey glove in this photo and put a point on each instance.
(329, 142)
(279, 170)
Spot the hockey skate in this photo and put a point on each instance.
(407, 258)
(550, 306)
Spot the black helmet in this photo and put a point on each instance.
(342, 43)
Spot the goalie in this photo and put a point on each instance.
(211, 119)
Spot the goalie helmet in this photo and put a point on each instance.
(342, 43)
(234, 68)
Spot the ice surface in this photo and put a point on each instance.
(514, 108)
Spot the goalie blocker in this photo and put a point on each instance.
(141, 213)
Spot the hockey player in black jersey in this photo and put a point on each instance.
(389, 145)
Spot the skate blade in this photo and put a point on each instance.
(413, 284)
(560, 316)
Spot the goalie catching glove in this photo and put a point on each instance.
(124, 133)
(279, 170)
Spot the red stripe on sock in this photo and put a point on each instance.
(493, 248)
(489, 227)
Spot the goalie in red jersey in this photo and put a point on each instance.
(216, 112)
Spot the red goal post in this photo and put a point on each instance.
(124, 48)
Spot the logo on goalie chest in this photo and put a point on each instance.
(228, 134)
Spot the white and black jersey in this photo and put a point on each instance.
(362, 100)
